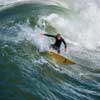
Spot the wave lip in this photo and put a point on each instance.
(7, 4)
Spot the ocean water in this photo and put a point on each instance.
(25, 74)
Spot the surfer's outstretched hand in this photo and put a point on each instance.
(41, 33)
(65, 49)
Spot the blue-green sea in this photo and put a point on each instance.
(25, 74)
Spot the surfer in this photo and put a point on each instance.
(58, 41)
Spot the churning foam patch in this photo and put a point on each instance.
(33, 35)
(83, 29)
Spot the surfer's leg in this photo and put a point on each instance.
(58, 50)
(54, 48)
(51, 46)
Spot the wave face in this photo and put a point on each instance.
(25, 74)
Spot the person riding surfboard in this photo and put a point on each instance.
(58, 40)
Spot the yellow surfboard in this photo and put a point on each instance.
(60, 59)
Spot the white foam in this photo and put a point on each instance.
(83, 29)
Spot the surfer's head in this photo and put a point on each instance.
(58, 36)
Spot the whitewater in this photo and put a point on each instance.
(25, 74)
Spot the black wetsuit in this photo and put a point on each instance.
(57, 43)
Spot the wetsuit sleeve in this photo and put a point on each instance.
(64, 43)
(50, 35)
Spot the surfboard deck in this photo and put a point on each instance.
(58, 58)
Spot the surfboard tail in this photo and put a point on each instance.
(60, 59)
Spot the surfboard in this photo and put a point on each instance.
(58, 58)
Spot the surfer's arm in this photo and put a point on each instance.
(49, 35)
(64, 44)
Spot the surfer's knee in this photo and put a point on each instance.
(58, 50)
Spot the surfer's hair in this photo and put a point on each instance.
(58, 35)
